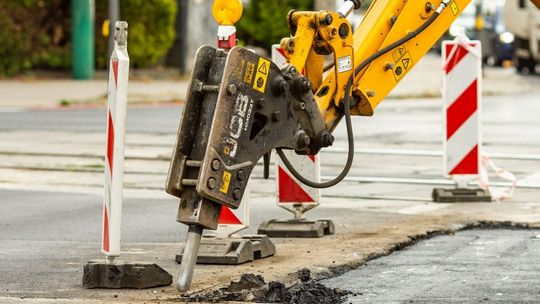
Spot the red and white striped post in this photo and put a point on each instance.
(462, 94)
(113, 273)
(116, 123)
(232, 221)
(292, 195)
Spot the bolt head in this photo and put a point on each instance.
(211, 183)
(306, 85)
(275, 116)
(327, 20)
(241, 175)
(328, 139)
(215, 164)
(231, 89)
(284, 86)
(290, 45)
(237, 194)
(261, 103)
(343, 30)
(429, 7)
(301, 140)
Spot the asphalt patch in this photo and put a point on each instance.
(252, 288)
(306, 290)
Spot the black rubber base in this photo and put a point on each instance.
(460, 195)
(98, 274)
(297, 228)
(234, 250)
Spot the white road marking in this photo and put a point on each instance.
(423, 208)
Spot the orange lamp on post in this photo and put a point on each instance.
(227, 13)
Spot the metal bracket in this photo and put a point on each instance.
(297, 228)
(234, 250)
(460, 195)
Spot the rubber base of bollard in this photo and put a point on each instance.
(297, 228)
(99, 274)
(234, 250)
(460, 195)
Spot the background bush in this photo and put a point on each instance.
(264, 22)
(150, 34)
(34, 34)
(37, 33)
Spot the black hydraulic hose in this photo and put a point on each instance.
(401, 41)
(350, 154)
(347, 109)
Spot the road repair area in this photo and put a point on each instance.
(51, 180)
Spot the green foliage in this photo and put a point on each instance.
(265, 22)
(150, 33)
(33, 34)
(37, 33)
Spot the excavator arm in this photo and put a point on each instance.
(242, 106)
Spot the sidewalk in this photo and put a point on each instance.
(52, 93)
(422, 82)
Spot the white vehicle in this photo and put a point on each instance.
(523, 20)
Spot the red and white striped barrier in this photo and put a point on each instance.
(462, 80)
(292, 195)
(116, 121)
(232, 221)
(278, 56)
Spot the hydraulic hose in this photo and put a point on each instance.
(350, 154)
(403, 40)
(347, 109)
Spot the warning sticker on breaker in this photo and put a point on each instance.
(455, 8)
(344, 64)
(250, 71)
(402, 66)
(263, 68)
(398, 53)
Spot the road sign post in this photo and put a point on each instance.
(462, 80)
(113, 273)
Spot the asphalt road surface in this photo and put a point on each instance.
(474, 266)
(46, 235)
(163, 119)
(395, 121)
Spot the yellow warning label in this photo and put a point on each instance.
(250, 70)
(398, 53)
(225, 181)
(263, 67)
(405, 62)
(402, 66)
(239, 71)
(454, 8)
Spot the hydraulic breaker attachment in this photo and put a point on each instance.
(239, 107)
